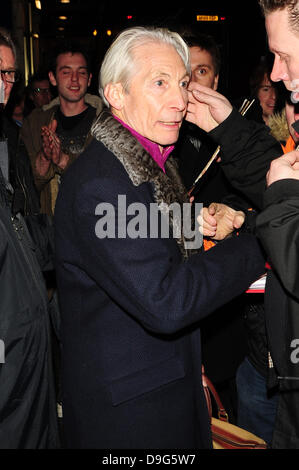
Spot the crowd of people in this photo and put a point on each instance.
(107, 320)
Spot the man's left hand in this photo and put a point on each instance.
(284, 167)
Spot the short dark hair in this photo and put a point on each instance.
(6, 40)
(257, 77)
(269, 6)
(207, 43)
(69, 47)
(37, 77)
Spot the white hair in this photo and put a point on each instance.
(118, 65)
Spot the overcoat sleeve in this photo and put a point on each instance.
(247, 149)
(278, 229)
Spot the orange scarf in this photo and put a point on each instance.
(289, 146)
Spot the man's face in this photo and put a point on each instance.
(156, 102)
(71, 78)
(203, 70)
(41, 94)
(267, 96)
(7, 62)
(284, 43)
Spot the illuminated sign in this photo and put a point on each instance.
(207, 18)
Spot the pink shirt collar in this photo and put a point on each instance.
(151, 147)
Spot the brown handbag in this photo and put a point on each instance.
(224, 434)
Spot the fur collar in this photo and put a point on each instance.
(140, 166)
(279, 126)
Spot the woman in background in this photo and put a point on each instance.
(265, 91)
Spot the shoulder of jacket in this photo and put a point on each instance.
(95, 101)
(54, 102)
(39, 117)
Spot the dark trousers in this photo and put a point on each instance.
(256, 407)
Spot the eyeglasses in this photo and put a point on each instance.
(10, 76)
(43, 91)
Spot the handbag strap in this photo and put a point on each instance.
(208, 390)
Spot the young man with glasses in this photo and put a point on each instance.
(7, 67)
(38, 90)
(14, 160)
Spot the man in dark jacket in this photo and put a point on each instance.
(277, 224)
(131, 302)
(28, 417)
(226, 336)
(194, 148)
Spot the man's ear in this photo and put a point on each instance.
(216, 80)
(114, 94)
(89, 79)
(52, 79)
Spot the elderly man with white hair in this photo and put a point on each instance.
(132, 297)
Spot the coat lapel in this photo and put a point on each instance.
(140, 166)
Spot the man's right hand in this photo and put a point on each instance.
(218, 221)
(51, 142)
(284, 167)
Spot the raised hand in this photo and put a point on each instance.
(51, 146)
(51, 142)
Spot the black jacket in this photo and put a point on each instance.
(277, 226)
(224, 340)
(193, 151)
(277, 229)
(27, 400)
(247, 149)
(25, 198)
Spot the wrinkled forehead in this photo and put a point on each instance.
(153, 56)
